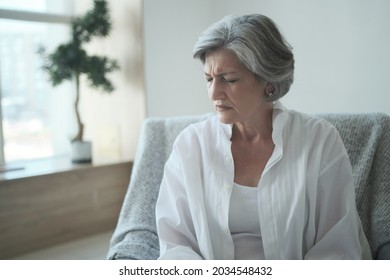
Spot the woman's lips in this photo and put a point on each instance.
(222, 108)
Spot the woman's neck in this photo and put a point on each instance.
(258, 129)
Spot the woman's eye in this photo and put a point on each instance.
(230, 81)
(208, 78)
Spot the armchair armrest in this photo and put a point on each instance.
(384, 252)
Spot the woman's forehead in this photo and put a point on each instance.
(221, 62)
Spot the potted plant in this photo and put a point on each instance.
(69, 61)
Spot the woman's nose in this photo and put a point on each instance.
(216, 90)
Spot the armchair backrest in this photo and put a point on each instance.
(365, 136)
(135, 236)
(367, 140)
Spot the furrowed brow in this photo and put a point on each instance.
(221, 74)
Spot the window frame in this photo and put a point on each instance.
(22, 15)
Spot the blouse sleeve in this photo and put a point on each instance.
(339, 233)
(173, 218)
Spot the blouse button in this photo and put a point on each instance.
(228, 159)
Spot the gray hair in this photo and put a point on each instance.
(257, 42)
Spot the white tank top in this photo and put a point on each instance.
(244, 223)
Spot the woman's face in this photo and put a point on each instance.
(236, 93)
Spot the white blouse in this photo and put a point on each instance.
(306, 195)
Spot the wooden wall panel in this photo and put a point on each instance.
(42, 211)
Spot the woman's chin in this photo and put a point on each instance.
(225, 119)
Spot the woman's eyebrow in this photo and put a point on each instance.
(221, 74)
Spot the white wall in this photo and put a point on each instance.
(174, 85)
(113, 121)
(341, 50)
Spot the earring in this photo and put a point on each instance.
(269, 94)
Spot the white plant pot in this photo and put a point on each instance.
(81, 151)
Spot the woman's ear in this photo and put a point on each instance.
(269, 88)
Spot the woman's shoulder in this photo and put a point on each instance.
(203, 126)
(317, 133)
(317, 136)
(292, 121)
(310, 122)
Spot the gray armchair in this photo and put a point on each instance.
(366, 138)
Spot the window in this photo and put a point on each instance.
(34, 114)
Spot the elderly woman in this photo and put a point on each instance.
(256, 181)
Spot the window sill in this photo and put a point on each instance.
(55, 201)
(47, 166)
